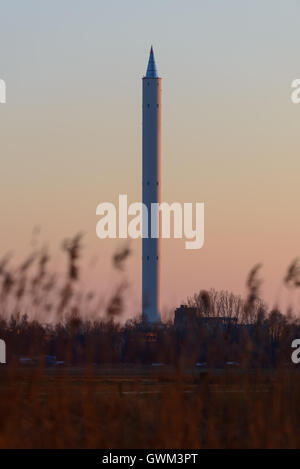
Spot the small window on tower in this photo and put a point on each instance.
(148, 105)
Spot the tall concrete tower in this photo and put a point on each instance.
(151, 189)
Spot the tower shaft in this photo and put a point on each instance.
(151, 190)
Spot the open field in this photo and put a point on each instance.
(96, 402)
(142, 407)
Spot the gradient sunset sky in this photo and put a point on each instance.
(71, 131)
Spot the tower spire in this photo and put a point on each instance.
(151, 69)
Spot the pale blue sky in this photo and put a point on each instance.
(71, 129)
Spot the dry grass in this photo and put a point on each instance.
(93, 406)
(81, 409)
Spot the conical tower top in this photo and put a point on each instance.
(151, 69)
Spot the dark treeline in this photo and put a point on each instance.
(265, 342)
(44, 316)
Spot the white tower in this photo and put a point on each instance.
(151, 189)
